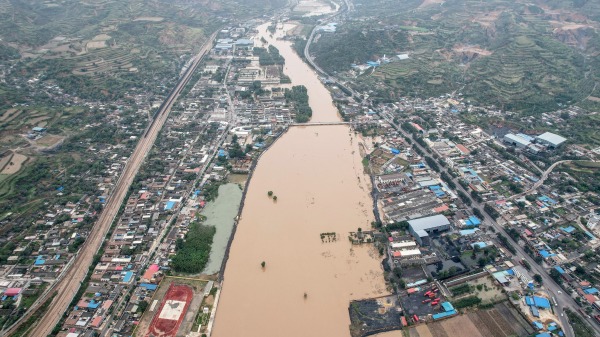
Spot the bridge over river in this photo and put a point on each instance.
(320, 123)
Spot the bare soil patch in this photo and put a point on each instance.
(5, 160)
(96, 44)
(423, 331)
(488, 19)
(430, 2)
(149, 18)
(37, 121)
(10, 114)
(49, 140)
(15, 164)
(471, 49)
(460, 326)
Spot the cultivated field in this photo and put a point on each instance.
(509, 53)
(500, 321)
(14, 164)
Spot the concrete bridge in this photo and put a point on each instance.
(320, 123)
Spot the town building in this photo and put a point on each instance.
(421, 228)
(550, 139)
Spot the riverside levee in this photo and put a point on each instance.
(306, 284)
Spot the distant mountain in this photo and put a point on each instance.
(522, 55)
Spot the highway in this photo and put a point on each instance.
(563, 300)
(66, 287)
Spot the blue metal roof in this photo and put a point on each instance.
(545, 254)
(480, 244)
(541, 302)
(444, 314)
(128, 276)
(149, 286)
(559, 269)
(474, 220)
(468, 231)
(447, 306)
(569, 229)
(528, 300)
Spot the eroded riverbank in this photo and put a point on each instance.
(317, 176)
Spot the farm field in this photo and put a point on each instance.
(500, 321)
(14, 164)
(510, 53)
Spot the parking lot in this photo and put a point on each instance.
(413, 303)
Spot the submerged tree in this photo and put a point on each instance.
(263, 264)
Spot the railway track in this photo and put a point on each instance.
(66, 287)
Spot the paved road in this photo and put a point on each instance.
(68, 286)
(541, 181)
(563, 300)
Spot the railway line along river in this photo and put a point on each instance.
(306, 285)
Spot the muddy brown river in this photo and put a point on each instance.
(317, 176)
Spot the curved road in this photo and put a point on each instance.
(541, 181)
(66, 287)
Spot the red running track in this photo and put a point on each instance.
(161, 327)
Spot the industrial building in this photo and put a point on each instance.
(515, 140)
(550, 139)
(421, 228)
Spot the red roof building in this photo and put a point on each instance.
(12, 291)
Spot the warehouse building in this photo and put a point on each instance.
(421, 228)
(517, 141)
(550, 139)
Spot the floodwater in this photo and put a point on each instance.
(306, 284)
(221, 213)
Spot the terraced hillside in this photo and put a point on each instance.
(100, 49)
(522, 55)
